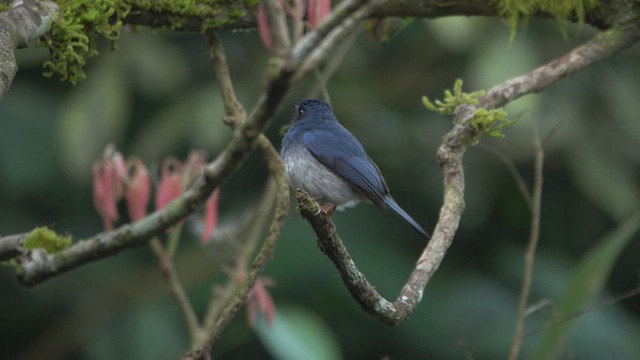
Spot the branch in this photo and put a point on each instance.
(450, 155)
(18, 26)
(277, 20)
(223, 308)
(169, 272)
(604, 45)
(235, 15)
(11, 246)
(530, 253)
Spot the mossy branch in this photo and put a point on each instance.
(72, 39)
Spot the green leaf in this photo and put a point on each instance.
(586, 282)
(297, 333)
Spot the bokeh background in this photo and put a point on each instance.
(156, 96)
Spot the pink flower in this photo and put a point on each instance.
(170, 185)
(138, 191)
(317, 10)
(109, 176)
(261, 302)
(210, 216)
(263, 27)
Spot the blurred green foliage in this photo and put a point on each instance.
(156, 96)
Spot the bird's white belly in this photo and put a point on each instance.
(307, 173)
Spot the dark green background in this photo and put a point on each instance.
(156, 96)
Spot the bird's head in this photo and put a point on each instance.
(313, 111)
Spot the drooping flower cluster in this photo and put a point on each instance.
(115, 179)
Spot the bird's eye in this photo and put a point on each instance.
(300, 112)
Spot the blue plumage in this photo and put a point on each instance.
(328, 162)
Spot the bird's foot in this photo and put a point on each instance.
(327, 209)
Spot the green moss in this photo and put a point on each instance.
(451, 100)
(46, 239)
(70, 40)
(562, 10)
(486, 122)
(4, 7)
(490, 123)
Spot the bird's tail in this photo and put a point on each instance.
(393, 205)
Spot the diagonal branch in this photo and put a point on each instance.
(450, 153)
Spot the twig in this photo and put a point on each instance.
(218, 59)
(602, 46)
(168, 270)
(277, 20)
(607, 302)
(234, 296)
(450, 155)
(530, 253)
(223, 295)
(262, 258)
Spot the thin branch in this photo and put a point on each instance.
(450, 154)
(218, 58)
(635, 292)
(169, 272)
(18, 26)
(217, 317)
(277, 20)
(602, 46)
(264, 256)
(530, 253)
(223, 295)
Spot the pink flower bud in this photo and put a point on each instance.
(138, 191)
(108, 185)
(263, 27)
(210, 216)
(170, 185)
(317, 10)
(260, 301)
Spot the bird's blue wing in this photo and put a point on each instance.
(346, 158)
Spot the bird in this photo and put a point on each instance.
(326, 160)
